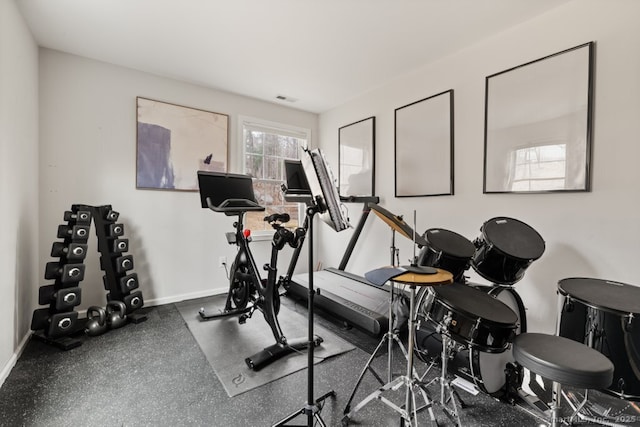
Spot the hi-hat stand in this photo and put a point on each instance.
(391, 336)
(396, 223)
(413, 276)
(313, 406)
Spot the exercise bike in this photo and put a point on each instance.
(233, 195)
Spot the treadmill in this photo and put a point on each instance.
(346, 296)
(350, 297)
(343, 295)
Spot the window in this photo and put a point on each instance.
(537, 168)
(265, 147)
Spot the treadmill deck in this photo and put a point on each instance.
(347, 296)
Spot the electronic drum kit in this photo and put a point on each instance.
(468, 328)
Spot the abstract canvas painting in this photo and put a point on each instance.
(174, 142)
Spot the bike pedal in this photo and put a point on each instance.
(243, 319)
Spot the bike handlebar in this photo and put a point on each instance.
(277, 217)
(235, 205)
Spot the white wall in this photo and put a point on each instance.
(594, 234)
(88, 156)
(18, 183)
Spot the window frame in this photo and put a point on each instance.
(276, 127)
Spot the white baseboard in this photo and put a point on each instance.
(184, 297)
(6, 370)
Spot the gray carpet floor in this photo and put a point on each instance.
(155, 374)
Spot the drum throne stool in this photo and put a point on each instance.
(565, 362)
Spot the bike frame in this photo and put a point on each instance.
(266, 290)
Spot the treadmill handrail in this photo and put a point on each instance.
(360, 199)
(224, 206)
(356, 234)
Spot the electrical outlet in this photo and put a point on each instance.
(222, 261)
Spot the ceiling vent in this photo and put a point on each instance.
(285, 98)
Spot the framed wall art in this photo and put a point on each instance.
(356, 158)
(424, 147)
(538, 125)
(174, 142)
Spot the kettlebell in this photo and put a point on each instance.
(116, 314)
(96, 321)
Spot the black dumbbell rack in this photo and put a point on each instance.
(58, 324)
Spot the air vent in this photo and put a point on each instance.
(285, 98)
